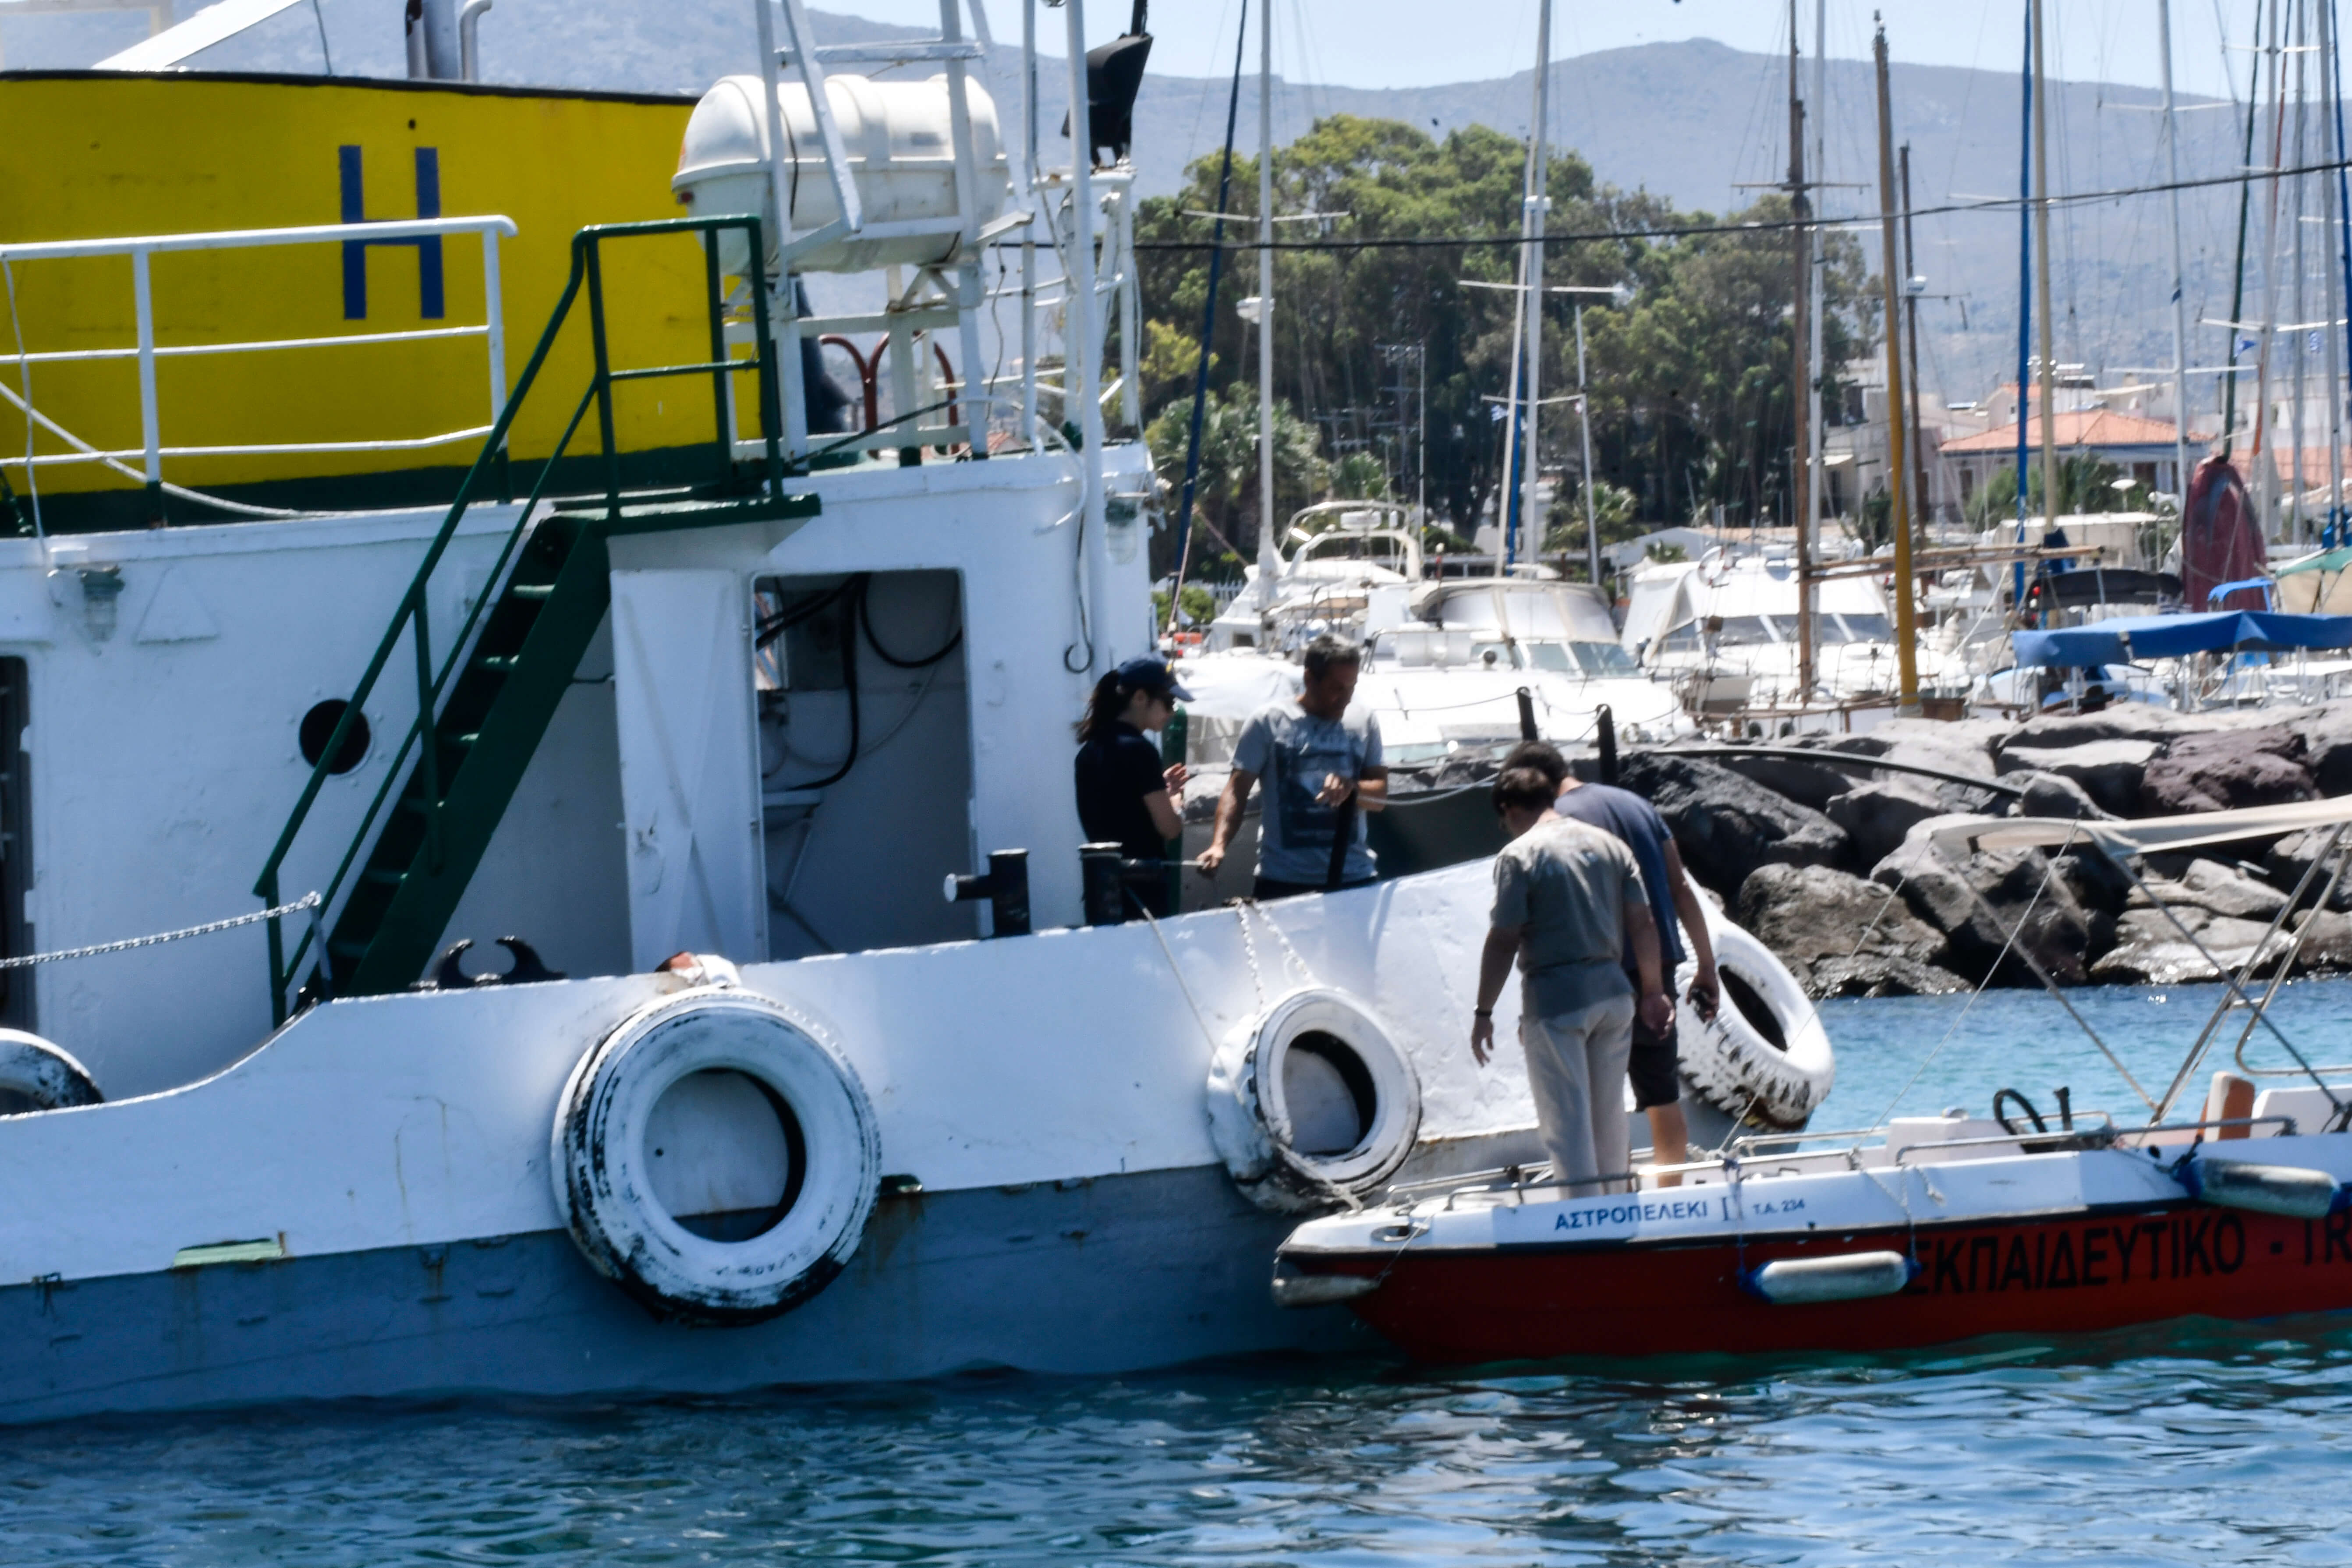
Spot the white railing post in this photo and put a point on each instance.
(1131, 316)
(150, 433)
(974, 405)
(493, 322)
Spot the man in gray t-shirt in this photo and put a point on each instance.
(1322, 770)
(1569, 903)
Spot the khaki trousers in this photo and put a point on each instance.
(1576, 1070)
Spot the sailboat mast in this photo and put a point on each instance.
(1801, 510)
(1269, 547)
(2331, 141)
(2042, 277)
(2179, 291)
(2300, 342)
(1809, 593)
(1906, 623)
(1911, 347)
(1537, 157)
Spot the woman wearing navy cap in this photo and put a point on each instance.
(1125, 795)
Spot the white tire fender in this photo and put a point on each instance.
(604, 1181)
(1735, 1062)
(1312, 1104)
(42, 1074)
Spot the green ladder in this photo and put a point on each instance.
(484, 708)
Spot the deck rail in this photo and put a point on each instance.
(142, 248)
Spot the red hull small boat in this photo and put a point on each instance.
(1821, 1254)
(1921, 1232)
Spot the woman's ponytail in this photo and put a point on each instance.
(1108, 701)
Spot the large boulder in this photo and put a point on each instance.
(2151, 950)
(1878, 817)
(2054, 795)
(2326, 731)
(1899, 741)
(2215, 888)
(2115, 722)
(2108, 771)
(1842, 936)
(2227, 769)
(2327, 946)
(1727, 826)
(1977, 900)
(2286, 862)
(1789, 772)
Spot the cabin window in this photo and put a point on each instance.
(1743, 631)
(1850, 627)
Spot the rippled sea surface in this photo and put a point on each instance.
(2189, 1443)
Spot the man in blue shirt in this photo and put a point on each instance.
(1322, 770)
(1654, 1064)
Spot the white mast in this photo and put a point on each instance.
(1269, 550)
(1529, 521)
(2180, 293)
(1080, 341)
(2329, 113)
(1817, 503)
(2301, 341)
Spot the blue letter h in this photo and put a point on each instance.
(428, 247)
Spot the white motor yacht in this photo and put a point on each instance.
(1724, 630)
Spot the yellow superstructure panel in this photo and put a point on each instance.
(108, 155)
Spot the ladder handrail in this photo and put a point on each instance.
(586, 247)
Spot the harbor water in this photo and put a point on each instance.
(2194, 1442)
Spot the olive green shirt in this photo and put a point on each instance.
(1566, 885)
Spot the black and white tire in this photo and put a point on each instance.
(1311, 1105)
(1765, 1061)
(603, 1179)
(35, 1075)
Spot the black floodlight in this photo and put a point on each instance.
(1114, 75)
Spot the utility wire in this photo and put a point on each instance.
(1680, 231)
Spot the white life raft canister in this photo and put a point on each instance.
(692, 1070)
(1312, 1104)
(38, 1075)
(1765, 1060)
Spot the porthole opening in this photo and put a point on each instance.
(319, 728)
(1329, 1094)
(724, 1155)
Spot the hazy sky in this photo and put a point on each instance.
(1398, 42)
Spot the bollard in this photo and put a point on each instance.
(1099, 866)
(1526, 714)
(1006, 889)
(1104, 874)
(1605, 723)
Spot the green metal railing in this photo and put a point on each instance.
(431, 683)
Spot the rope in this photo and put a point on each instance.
(307, 902)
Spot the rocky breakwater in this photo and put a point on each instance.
(1824, 848)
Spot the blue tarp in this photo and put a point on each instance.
(2131, 638)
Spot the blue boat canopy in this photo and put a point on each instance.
(2130, 637)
